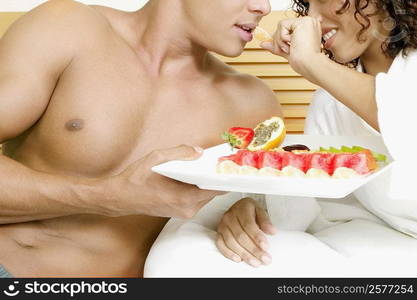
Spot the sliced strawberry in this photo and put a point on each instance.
(239, 137)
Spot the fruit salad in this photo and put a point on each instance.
(260, 154)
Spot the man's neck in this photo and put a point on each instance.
(163, 40)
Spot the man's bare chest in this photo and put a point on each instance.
(104, 116)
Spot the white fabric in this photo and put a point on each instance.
(360, 248)
(396, 96)
(370, 233)
(392, 196)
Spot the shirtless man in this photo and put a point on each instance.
(88, 95)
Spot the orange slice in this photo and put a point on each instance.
(268, 135)
(262, 35)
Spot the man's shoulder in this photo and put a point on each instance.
(65, 18)
(252, 97)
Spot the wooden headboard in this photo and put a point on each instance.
(292, 90)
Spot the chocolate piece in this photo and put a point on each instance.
(295, 147)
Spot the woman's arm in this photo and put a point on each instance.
(354, 89)
(299, 41)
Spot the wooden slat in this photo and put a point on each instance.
(289, 84)
(294, 111)
(294, 125)
(266, 70)
(294, 97)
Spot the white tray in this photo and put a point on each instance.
(202, 172)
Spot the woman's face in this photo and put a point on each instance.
(340, 31)
(224, 26)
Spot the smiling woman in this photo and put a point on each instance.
(397, 17)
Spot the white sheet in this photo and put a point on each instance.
(361, 248)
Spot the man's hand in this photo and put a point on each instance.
(241, 233)
(138, 190)
(298, 40)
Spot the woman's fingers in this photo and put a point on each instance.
(282, 39)
(274, 49)
(264, 222)
(221, 245)
(248, 235)
(239, 234)
(234, 243)
(248, 223)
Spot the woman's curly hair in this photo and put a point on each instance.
(402, 17)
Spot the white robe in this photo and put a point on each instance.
(372, 232)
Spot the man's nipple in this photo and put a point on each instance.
(74, 125)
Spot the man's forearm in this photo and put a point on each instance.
(27, 195)
(354, 89)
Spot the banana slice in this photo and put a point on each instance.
(227, 167)
(317, 173)
(248, 170)
(267, 171)
(293, 172)
(345, 173)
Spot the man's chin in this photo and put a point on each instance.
(229, 52)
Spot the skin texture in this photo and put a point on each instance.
(90, 99)
(299, 41)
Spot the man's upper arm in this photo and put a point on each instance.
(33, 54)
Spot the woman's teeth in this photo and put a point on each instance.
(329, 35)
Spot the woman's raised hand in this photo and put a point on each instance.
(298, 40)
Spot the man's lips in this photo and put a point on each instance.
(246, 31)
(247, 36)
